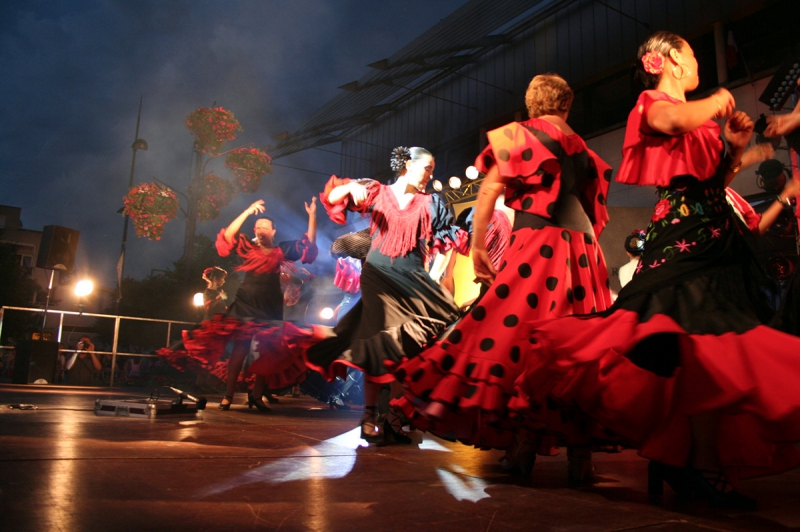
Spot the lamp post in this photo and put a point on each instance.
(138, 144)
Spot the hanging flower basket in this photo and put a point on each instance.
(150, 206)
(212, 127)
(248, 166)
(213, 194)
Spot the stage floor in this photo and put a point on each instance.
(303, 467)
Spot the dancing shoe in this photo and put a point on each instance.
(715, 488)
(580, 471)
(258, 403)
(696, 484)
(337, 404)
(393, 428)
(272, 399)
(226, 406)
(370, 430)
(520, 456)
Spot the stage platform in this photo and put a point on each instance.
(303, 467)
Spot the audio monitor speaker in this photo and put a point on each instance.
(35, 360)
(58, 248)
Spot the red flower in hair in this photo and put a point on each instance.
(653, 62)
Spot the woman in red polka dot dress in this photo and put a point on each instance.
(553, 267)
(682, 365)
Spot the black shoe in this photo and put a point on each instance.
(260, 406)
(393, 428)
(713, 487)
(676, 477)
(336, 404)
(271, 399)
(226, 406)
(371, 431)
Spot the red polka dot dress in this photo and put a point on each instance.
(459, 388)
(686, 337)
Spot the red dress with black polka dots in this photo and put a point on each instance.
(459, 388)
(686, 337)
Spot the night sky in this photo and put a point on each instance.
(73, 72)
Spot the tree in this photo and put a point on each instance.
(17, 289)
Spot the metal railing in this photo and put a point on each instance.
(115, 344)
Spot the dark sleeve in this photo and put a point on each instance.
(444, 231)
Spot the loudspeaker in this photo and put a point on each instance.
(58, 248)
(34, 360)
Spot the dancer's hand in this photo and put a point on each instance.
(484, 271)
(257, 207)
(311, 208)
(358, 192)
(725, 102)
(790, 190)
(738, 130)
(781, 124)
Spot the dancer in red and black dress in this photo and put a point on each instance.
(681, 365)
(401, 307)
(553, 266)
(253, 320)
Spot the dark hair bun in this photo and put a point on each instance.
(400, 155)
(634, 242)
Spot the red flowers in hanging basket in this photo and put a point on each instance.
(248, 166)
(212, 127)
(213, 194)
(150, 206)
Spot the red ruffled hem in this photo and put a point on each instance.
(748, 379)
(348, 275)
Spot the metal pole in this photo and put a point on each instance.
(121, 265)
(47, 302)
(114, 350)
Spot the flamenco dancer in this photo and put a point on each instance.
(253, 319)
(681, 365)
(553, 266)
(214, 297)
(401, 307)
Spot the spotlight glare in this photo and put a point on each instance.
(472, 173)
(437, 185)
(198, 299)
(326, 313)
(84, 288)
(454, 182)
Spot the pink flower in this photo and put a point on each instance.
(683, 246)
(653, 62)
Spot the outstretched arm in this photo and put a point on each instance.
(676, 119)
(233, 229)
(311, 209)
(772, 213)
(355, 190)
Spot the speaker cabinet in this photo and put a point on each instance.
(35, 360)
(58, 248)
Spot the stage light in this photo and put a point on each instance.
(781, 86)
(472, 173)
(437, 185)
(454, 182)
(198, 299)
(84, 288)
(326, 313)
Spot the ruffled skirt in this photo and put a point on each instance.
(276, 349)
(460, 387)
(399, 312)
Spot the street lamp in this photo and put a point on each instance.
(138, 144)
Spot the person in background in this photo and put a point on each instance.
(84, 365)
